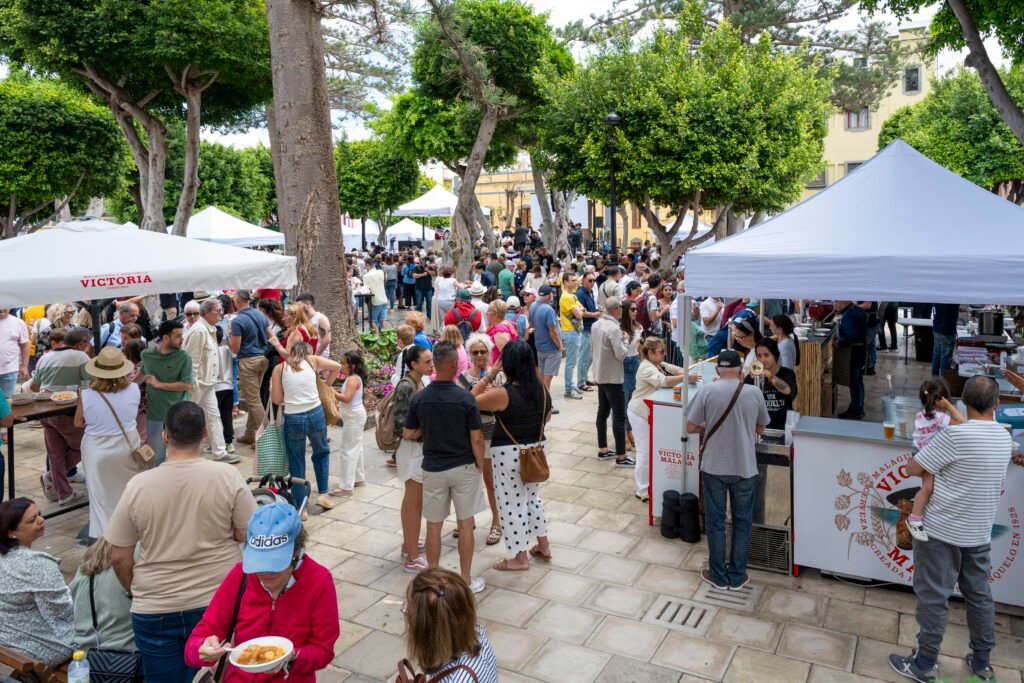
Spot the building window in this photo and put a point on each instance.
(852, 166)
(858, 120)
(861, 62)
(821, 180)
(912, 80)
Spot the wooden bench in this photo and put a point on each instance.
(27, 670)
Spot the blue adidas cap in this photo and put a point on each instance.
(270, 538)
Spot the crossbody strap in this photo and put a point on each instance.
(116, 418)
(92, 606)
(718, 423)
(229, 636)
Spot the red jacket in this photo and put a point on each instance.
(468, 312)
(306, 614)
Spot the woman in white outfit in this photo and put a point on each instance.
(107, 446)
(521, 409)
(444, 293)
(654, 373)
(353, 415)
(416, 366)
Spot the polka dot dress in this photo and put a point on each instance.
(519, 504)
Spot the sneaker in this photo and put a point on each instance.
(607, 455)
(627, 462)
(477, 584)
(324, 501)
(743, 582)
(705, 575)
(75, 495)
(555, 411)
(916, 529)
(77, 478)
(851, 415)
(984, 673)
(418, 565)
(228, 458)
(304, 516)
(575, 396)
(420, 546)
(230, 448)
(47, 484)
(908, 668)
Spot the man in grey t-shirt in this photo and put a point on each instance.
(728, 466)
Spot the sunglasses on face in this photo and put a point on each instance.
(479, 352)
(191, 315)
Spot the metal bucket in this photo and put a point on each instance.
(990, 322)
(901, 411)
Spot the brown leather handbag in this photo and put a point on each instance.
(533, 461)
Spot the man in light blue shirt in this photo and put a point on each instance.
(110, 335)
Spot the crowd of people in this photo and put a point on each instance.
(182, 563)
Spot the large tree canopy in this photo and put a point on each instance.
(55, 145)
(151, 62)
(957, 126)
(374, 180)
(715, 122)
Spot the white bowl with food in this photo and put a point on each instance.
(21, 399)
(42, 395)
(64, 397)
(261, 654)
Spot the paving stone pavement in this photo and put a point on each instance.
(581, 617)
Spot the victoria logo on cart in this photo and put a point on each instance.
(268, 542)
(874, 507)
(114, 280)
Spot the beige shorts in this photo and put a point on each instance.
(409, 458)
(463, 486)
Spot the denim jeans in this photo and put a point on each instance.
(378, 314)
(297, 428)
(155, 432)
(740, 490)
(585, 359)
(7, 382)
(630, 365)
(390, 287)
(424, 297)
(872, 346)
(160, 638)
(571, 344)
(942, 352)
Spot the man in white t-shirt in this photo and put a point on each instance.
(711, 315)
(477, 290)
(13, 351)
(320, 321)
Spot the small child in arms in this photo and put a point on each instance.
(937, 413)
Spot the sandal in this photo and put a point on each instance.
(391, 462)
(339, 492)
(494, 535)
(643, 499)
(536, 552)
(455, 533)
(502, 566)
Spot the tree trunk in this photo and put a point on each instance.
(562, 222)
(96, 207)
(465, 210)
(190, 181)
(484, 225)
(979, 60)
(305, 175)
(547, 220)
(153, 194)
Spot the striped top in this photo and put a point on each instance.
(969, 462)
(61, 368)
(484, 665)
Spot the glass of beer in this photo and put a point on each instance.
(889, 429)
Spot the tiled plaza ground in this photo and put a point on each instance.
(581, 617)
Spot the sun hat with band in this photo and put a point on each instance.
(270, 538)
(477, 289)
(109, 363)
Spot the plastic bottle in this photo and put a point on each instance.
(78, 669)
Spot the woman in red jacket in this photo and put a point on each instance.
(285, 594)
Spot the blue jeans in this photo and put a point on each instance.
(297, 428)
(942, 352)
(630, 364)
(741, 501)
(872, 346)
(390, 287)
(571, 344)
(378, 314)
(161, 640)
(7, 382)
(585, 359)
(155, 432)
(423, 298)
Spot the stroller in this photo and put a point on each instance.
(276, 488)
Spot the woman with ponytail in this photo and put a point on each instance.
(789, 346)
(417, 363)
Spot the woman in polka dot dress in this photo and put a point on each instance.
(522, 406)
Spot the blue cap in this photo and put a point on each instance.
(270, 538)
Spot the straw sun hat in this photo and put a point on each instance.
(109, 363)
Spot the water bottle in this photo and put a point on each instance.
(78, 669)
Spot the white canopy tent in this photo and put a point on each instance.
(436, 202)
(86, 260)
(213, 225)
(899, 228)
(405, 229)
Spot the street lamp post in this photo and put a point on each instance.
(612, 120)
(423, 229)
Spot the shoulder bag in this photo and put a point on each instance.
(271, 454)
(533, 461)
(327, 399)
(209, 674)
(106, 665)
(144, 454)
(718, 423)
(407, 674)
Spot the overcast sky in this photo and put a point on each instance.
(564, 11)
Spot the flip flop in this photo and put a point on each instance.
(494, 536)
(339, 493)
(502, 566)
(535, 552)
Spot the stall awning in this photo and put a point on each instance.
(437, 201)
(85, 260)
(899, 228)
(213, 225)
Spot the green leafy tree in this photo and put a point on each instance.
(957, 126)
(374, 179)
(260, 156)
(726, 124)
(966, 23)
(206, 61)
(56, 145)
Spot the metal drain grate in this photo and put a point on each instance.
(744, 600)
(770, 547)
(681, 615)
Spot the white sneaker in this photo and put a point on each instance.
(916, 530)
(228, 458)
(477, 584)
(230, 448)
(77, 478)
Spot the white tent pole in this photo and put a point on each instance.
(760, 314)
(683, 319)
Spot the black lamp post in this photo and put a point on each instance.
(423, 229)
(612, 120)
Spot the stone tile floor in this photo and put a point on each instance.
(581, 617)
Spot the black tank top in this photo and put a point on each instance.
(523, 417)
